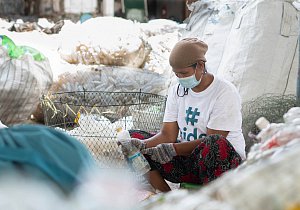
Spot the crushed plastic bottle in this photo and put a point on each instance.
(136, 160)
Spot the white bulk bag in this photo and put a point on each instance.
(261, 56)
(211, 21)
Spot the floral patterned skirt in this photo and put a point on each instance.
(209, 160)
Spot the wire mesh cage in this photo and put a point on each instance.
(93, 117)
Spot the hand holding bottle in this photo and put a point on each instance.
(132, 142)
(131, 149)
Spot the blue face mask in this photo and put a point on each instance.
(189, 82)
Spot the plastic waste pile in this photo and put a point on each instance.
(276, 137)
(127, 43)
(161, 35)
(117, 79)
(272, 107)
(25, 75)
(42, 25)
(121, 47)
(99, 135)
(135, 72)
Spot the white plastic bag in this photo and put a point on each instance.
(22, 82)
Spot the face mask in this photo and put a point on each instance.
(189, 82)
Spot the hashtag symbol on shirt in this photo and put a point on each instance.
(191, 116)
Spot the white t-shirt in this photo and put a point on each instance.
(218, 107)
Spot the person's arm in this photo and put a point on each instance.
(167, 134)
(186, 148)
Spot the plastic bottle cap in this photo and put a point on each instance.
(262, 123)
(119, 129)
(122, 134)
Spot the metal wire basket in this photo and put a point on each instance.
(93, 117)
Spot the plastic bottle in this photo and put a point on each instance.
(267, 129)
(262, 123)
(123, 134)
(135, 159)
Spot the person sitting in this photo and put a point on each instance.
(204, 111)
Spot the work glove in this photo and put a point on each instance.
(126, 144)
(162, 153)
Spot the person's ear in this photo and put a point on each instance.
(200, 65)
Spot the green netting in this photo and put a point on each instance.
(270, 106)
